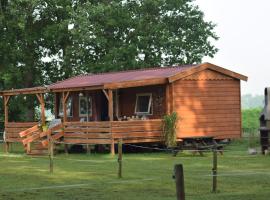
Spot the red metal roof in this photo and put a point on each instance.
(118, 77)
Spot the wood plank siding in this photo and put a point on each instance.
(127, 100)
(208, 104)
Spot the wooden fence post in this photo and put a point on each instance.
(179, 181)
(50, 148)
(120, 142)
(6, 147)
(88, 149)
(214, 170)
(66, 148)
(28, 147)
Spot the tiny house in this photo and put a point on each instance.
(130, 105)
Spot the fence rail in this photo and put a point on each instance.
(105, 132)
(13, 129)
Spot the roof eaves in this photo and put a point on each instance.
(206, 65)
(137, 83)
(227, 72)
(34, 90)
(186, 73)
(70, 89)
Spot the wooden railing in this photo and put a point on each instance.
(139, 131)
(108, 132)
(55, 133)
(13, 129)
(35, 134)
(87, 133)
(31, 134)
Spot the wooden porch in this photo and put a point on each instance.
(92, 133)
(72, 131)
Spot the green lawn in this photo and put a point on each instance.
(146, 176)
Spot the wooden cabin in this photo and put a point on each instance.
(129, 105)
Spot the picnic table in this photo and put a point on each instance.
(200, 144)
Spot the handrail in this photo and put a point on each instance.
(50, 130)
(49, 133)
(29, 131)
(30, 137)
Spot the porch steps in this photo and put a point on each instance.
(35, 140)
(37, 149)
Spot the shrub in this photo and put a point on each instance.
(169, 129)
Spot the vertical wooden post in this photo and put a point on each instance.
(172, 97)
(168, 99)
(88, 149)
(51, 153)
(179, 181)
(112, 147)
(116, 109)
(110, 104)
(66, 149)
(110, 111)
(6, 100)
(64, 100)
(214, 170)
(56, 106)
(28, 147)
(43, 117)
(64, 107)
(120, 142)
(42, 105)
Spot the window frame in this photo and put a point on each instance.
(60, 111)
(89, 109)
(150, 104)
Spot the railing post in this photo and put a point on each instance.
(28, 147)
(179, 181)
(88, 149)
(112, 142)
(6, 147)
(64, 100)
(50, 149)
(120, 142)
(6, 100)
(65, 145)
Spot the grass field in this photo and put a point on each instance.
(147, 176)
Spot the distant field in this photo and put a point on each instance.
(147, 176)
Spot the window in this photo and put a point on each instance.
(69, 107)
(85, 106)
(143, 104)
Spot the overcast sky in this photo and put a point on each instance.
(244, 44)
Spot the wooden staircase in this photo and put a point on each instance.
(36, 141)
(37, 149)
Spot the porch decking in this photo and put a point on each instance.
(105, 132)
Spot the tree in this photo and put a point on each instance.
(117, 35)
(43, 41)
(32, 30)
